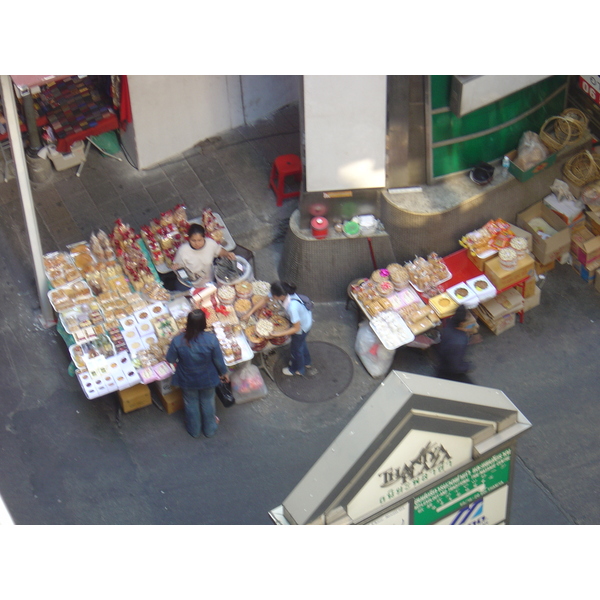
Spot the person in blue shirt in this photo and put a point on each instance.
(301, 319)
(199, 369)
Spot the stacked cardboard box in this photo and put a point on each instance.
(499, 313)
(134, 397)
(171, 397)
(502, 278)
(585, 253)
(546, 248)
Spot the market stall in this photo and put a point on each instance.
(118, 319)
(404, 304)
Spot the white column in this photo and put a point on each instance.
(16, 142)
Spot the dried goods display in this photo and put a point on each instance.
(391, 330)
(427, 274)
(60, 269)
(261, 288)
(130, 255)
(487, 240)
(216, 229)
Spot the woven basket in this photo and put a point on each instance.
(576, 115)
(582, 168)
(570, 129)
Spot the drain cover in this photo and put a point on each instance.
(333, 374)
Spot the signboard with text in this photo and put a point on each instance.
(590, 84)
(463, 489)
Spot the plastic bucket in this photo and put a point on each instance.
(320, 227)
(246, 275)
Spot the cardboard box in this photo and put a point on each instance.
(525, 175)
(585, 245)
(172, 401)
(502, 279)
(503, 304)
(134, 397)
(549, 249)
(480, 262)
(529, 287)
(597, 281)
(533, 300)
(586, 272)
(500, 325)
(540, 269)
(593, 221)
(62, 162)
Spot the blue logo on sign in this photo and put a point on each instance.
(471, 514)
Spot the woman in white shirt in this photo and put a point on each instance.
(197, 256)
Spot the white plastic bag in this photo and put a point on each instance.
(376, 359)
(531, 151)
(247, 384)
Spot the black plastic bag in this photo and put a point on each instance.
(225, 394)
(226, 269)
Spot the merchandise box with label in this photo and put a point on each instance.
(503, 304)
(593, 221)
(540, 217)
(172, 400)
(502, 278)
(586, 272)
(585, 245)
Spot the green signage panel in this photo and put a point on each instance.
(462, 489)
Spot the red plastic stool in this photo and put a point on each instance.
(284, 166)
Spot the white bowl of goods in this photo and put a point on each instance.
(463, 294)
(483, 287)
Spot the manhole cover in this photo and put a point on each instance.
(333, 376)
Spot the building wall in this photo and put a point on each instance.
(172, 113)
(344, 131)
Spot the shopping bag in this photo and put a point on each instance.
(247, 384)
(225, 395)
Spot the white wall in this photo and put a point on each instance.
(172, 113)
(264, 94)
(345, 131)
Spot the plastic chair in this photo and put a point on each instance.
(285, 166)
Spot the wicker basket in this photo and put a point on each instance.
(558, 132)
(576, 115)
(582, 168)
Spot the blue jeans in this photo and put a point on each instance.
(299, 353)
(199, 409)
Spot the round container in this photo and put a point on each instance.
(508, 258)
(279, 341)
(385, 288)
(352, 229)
(401, 281)
(244, 289)
(320, 227)
(226, 294)
(246, 273)
(519, 245)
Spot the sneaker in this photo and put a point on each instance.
(287, 372)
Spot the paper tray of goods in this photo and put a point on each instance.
(233, 343)
(444, 305)
(60, 269)
(482, 287)
(391, 329)
(463, 294)
(425, 274)
(70, 295)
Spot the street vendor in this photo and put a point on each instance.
(301, 318)
(197, 256)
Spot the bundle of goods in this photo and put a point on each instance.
(230, 341)
(100, 247)
(212, 227)
(280, 324)
(70, 295)
(257, 343)
(398, 276)
(82, 256)
(391, 330)
(152, 244)
(419, 317)
(508, 258)
(427, 274)
(129, 254)
(59, 268)
(366, 293)
(155, 291)
(226, 294)
(484, 242)
(519, 245)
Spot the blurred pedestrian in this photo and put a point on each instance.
(199, 369)
(452, 348)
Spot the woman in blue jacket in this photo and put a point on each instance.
(199, 369)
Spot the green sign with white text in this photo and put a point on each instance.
(462, 489)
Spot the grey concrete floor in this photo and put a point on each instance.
(67, 460)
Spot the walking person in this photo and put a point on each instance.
(452, 348)
(199, 369)
(301, 318)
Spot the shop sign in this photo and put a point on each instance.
(463, 489)
(420, 458)
(396, 516)
(590, 84)
(487, 510)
